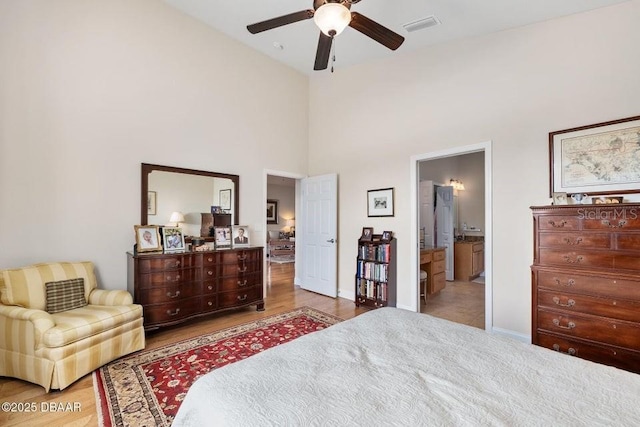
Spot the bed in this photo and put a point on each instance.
(394, 367)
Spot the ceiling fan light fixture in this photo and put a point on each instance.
(332, 18)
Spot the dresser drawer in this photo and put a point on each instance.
(240, 268)
(600, 329)
(437, 267)
(600, 353)
(575, 258)
(438, 255)
(613, 308)
(576, 240)
(167, 262)
(438, 282)
(163, 313)
(612, 287)
(170, 277)
(239, 297)
(425, 257)
(231, 283)
(612, 220)
(558, 222)
(240, 255)
(164, 294)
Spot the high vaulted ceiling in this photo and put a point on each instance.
(295, 44)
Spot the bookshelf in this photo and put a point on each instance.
(375, 280)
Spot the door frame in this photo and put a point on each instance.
(263, 227)
(488, 225)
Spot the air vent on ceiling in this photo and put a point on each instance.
(429, 21)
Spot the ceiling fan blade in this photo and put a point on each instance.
(324, 52)
(372, 29)
(270, 24)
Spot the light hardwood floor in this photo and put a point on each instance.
(461, 302)
(281, 296)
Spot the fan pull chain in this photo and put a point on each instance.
(333, 56)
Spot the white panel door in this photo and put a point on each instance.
(444, 226)
(426, 212)
(318, 234)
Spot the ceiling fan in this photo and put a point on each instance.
(332, 16)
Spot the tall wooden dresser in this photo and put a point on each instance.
(586, 282)
(175, 287)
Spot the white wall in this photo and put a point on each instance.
(511, 87)
(89, 89)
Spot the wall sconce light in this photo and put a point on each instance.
(177, 217)
(456, 184)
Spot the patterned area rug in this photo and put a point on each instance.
(146, 388)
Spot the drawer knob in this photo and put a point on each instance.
(242, 257)
(570, 302)
(174, 295)
(570, 260)
(570, 325)
(210, 287)
(173, 279)
(177, 263)
(243, 269)
(210, 273)
(210, 259)
(571, 351)
(560, 224)
(170, 313)
(210, 303)
(242, 283)
(242, 298)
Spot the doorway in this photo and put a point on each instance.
(467, 172)
(279, 236)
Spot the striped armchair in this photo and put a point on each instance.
(57, 326)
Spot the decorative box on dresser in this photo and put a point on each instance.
(175, 287)
(586, 282)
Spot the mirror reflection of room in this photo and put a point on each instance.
(193, 196)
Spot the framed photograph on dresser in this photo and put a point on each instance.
(173, 239)
(223, 237)
(147, 238)
(240, 235)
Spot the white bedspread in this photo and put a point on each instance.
(393, 367)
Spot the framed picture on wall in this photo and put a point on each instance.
(380, 202)
(225, 199)
(596, 159)
(272, 211)
(151, 202)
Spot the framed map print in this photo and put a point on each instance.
(597, 159)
